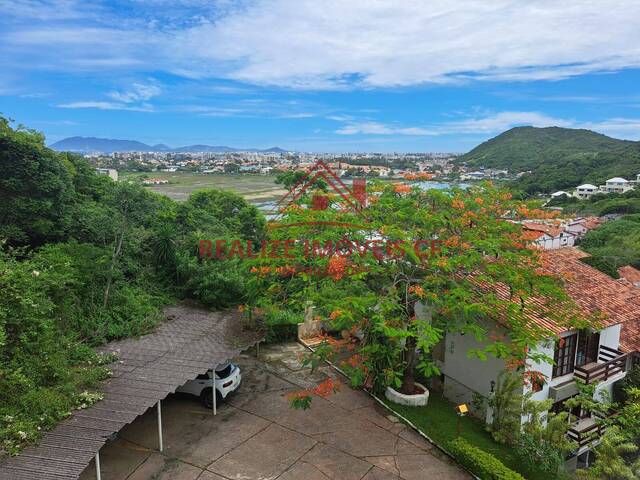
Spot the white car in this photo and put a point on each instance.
(227, 380)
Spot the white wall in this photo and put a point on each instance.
(610, 336)
(470, 374)
(546, 368)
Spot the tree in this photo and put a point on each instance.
(373, 270)
(291, 178)
(610, 463)
(35, 188)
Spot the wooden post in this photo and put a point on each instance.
(161, 447)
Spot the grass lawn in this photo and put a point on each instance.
(439, 421)
(253, 187)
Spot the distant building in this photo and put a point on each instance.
(110, 172)
(586, 190)
(616, 185)
(154, 181)
(560, 193)
(548, 237)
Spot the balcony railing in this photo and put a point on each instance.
(586, 431)
(611, 362)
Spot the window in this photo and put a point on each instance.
(564, 355)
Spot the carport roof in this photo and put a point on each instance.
(191, 341)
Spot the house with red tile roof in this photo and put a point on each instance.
(600, 354)
(548, 237)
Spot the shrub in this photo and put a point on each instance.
(281, 325)
(481, 463)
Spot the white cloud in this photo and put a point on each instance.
(375, 128)
(137, 93)
(99, 105)
(311, 44)
(336, 44)
(492, 124)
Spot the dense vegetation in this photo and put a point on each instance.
(614, 245)
(557, 158)
(84, 260)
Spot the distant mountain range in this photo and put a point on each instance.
(108, 145)
(557, 158)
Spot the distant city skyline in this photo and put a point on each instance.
(312, 76)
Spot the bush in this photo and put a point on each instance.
(481, 463)
(631, 380)
(281, 325)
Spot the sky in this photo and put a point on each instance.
(319, 76)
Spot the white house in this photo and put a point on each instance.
(601, 354)
(616, 185)
(548, 237)
(586, 190)
(110, 172)
(560, 193)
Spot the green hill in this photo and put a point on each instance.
(558, 158)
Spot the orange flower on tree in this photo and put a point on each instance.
(337, 267)
(401, 188)
(479, 201)
(457, 204)
(417, 290)
(335, 314)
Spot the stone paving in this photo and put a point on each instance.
(256, 435)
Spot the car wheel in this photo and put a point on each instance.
(207, 398)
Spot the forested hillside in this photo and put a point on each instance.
(84, 260)
(558, 158)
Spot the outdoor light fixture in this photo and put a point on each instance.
(493, 385)
(461, 410)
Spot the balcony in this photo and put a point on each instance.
(610, 363)
(586, 431)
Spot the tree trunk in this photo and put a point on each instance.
(114, 258)
(409, 376)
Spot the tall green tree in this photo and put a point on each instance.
(35, 188)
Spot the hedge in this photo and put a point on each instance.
(481, 463)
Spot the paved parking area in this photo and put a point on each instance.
(256, 435)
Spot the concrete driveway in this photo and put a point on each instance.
(256, 435)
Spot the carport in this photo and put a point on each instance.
(187, 344)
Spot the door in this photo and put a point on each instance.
(588, 344)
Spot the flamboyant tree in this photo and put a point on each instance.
(405, 268)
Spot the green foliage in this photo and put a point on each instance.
(35, 188)
(481, 463)
(558, 158)
(84, 260)
(291, 178)
(43, 366)
(544, 445)
(507, 404)
(614, 244)
(610, 461)
(631, 380)
(376, 289)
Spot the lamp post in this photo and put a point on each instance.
(461, 410)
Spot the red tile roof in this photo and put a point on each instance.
(551, 230)
(630, 274)
(595, 292)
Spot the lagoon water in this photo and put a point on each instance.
(428, 185)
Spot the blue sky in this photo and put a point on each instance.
(360, 75)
